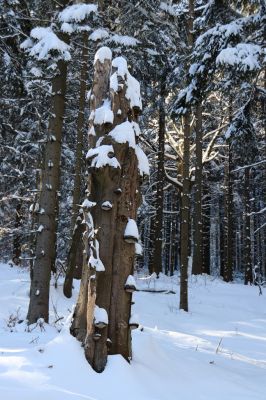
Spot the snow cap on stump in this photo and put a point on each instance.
(104, 53)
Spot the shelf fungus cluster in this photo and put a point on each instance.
(116, 163)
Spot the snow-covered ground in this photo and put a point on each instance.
(216, 351)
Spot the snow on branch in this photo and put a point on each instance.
(99, 34)
(244, 56)
(124, 40)
(43, 42)
(249, 165)
(77, 12)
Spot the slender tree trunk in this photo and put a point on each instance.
(206, 230)
(17, 237)
(151, 241)
(174, 236)
(222, 232)
(158, 221)
(74, 261)
(185, 196)
(184, 211)
(46, 235)
(229, 237)
(247, 239)
(197, 220)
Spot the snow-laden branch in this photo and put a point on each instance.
(249, 166)
(173, 181)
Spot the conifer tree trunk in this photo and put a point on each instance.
(174, 235)
(185, 196)
(206, 214)
(247, 238)
(228, 230)
(197, 218)
(158, 220)
(46, 235)
(184, 211)
(222, 231)
(113, 190)
(74, 261)
(17, 237)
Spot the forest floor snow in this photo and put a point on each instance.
(215, 351)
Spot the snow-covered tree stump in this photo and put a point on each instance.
(116, 165)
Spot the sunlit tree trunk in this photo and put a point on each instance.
(114, 190)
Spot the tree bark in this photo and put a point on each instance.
(158, 220)
(206, 230)
(247, 239)
(120, 187)
(185, 197)
(17, 236)
(197, 217)
(184, 211)
(74, 261)
(46, 235)
(229, 238)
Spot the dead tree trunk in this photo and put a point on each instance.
(102, 319)
(46, 233)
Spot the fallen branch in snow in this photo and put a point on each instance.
(165, 291)
(219, 344)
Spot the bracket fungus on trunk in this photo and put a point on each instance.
(131, 234)
(130, 285)
(96, 336)
(116, 165)
(106, 205)
(100, 318)
(133, 322)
